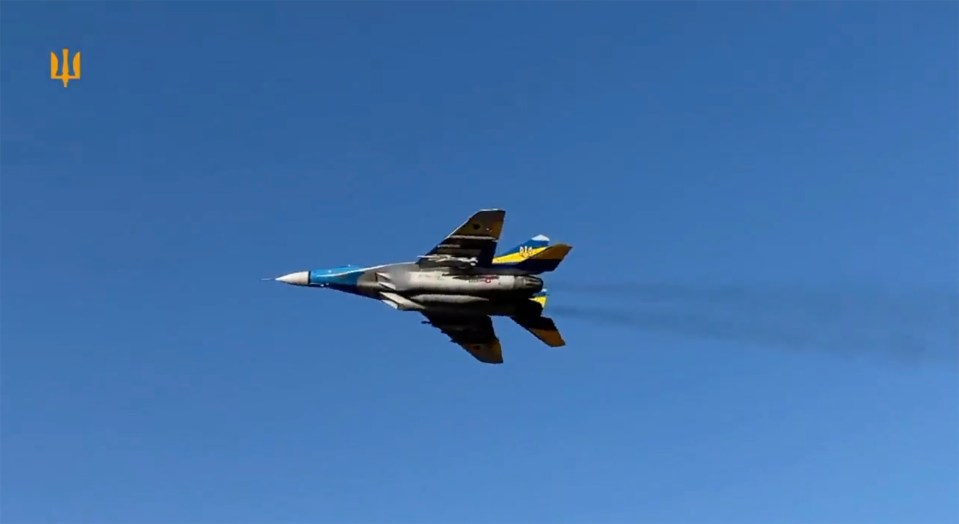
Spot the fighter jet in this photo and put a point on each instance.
(460, 284)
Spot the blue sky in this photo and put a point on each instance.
(150, 376)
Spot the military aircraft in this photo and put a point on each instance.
(460, 283)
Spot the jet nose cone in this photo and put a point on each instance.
(300, 278)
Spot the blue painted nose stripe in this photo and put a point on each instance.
(335, 276)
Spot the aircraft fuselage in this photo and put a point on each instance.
(408, 287)
(460, 283)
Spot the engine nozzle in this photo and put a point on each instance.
(529, 283)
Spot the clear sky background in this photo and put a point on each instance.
(803, 153)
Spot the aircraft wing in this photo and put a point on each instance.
(475, 334)
(471, 244)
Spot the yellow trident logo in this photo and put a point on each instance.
(525, 251)
(65, 75)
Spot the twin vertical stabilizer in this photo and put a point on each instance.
(536, 255)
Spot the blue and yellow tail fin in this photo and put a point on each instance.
(548, 259)
(540, 298)
(523, 251)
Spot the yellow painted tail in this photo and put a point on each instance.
(546, 260)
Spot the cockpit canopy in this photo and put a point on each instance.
(342, 276)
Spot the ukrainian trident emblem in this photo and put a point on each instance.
(65, 76)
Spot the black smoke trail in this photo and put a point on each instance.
(919, 325)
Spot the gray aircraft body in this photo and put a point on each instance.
(460, 284)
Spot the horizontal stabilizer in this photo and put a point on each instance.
(542, 328)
